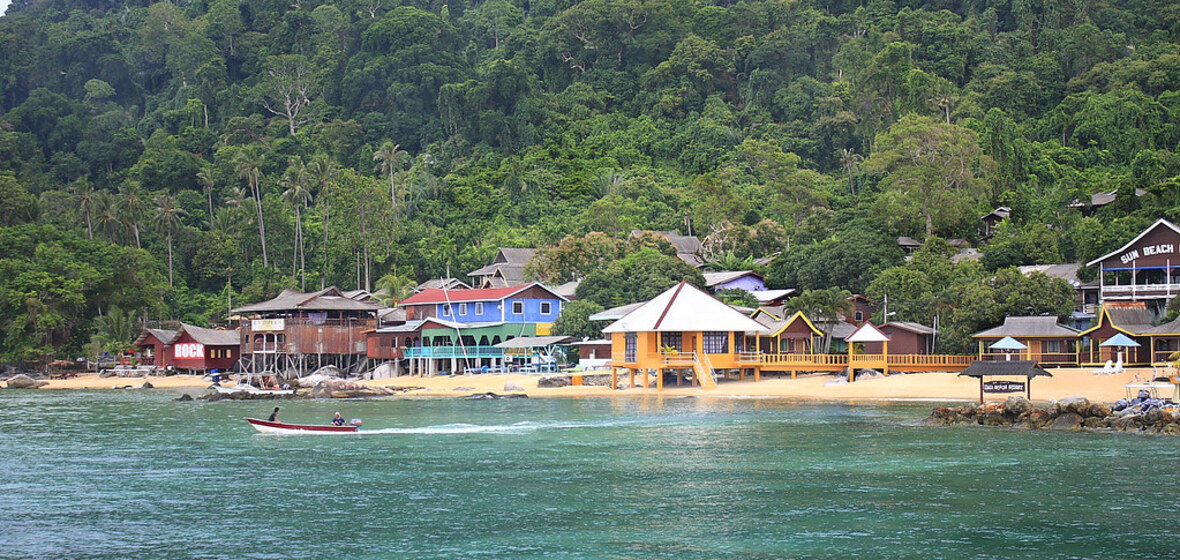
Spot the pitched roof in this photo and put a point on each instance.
(1028, 327)
(867, 332)
(917, 328)
(327, 299)
(568, 289)
(684, 307)
(688, 247)
(714, 278)
(483, 294)
(162, 335)
(508, 265)
(1002, 212)
(1067, 272)
(765, 296)
(443, 284)
(1132, 318)
(408, 326)
(209, 337)
(615, 313)
(904, 241)
(1172, 328)
(778, 326)
(1158, 223)
(392, 315)
(1027, 368)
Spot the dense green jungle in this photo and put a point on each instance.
(168, 161)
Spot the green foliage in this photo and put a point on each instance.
(574, 321)
(638, 277)
(738, 297)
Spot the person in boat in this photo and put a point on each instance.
(274, 416)
(337, 420)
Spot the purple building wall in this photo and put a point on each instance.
(749, 283)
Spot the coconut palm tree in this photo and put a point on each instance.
(167, 221)
(830, 305)
(392, 161)
(392, 288)
(107, 214)
(248, 164)
(131, 207)
(323, 173)
(85, 193)
(297, 181)
(206, 178)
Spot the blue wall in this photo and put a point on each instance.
(491, 311)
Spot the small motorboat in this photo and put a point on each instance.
(268, 427)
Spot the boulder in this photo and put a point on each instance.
(1038, 419)
(329, 371)
(1095, 423)
(866, 374)
(596, 380)
(1067, 421)
(184, 398)
(513, 386)
(553, 381)
(147, 385)
(490, 395)
(1016, 406)
(1097, 410)
(969, 410)
(23, 381)
(1076, 405)
(942, 416)
(1128, 423)
(106, 373)
(383, 371)
(836, 381)
(1157, 417)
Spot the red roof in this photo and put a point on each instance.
(455, 296)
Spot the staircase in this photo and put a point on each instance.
(702, 369)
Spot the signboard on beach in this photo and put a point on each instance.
(268, 325)
(1003, 386)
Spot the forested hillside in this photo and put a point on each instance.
(167, 159)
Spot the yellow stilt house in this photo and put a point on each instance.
(684, 332)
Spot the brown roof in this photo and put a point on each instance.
(510, 263)
(688, 247)
(328, 299)
(1135, 319)
(1027, 368)
(162, 335)
(209, 337)
(1025, 327)
(442, 284)
(916, 328)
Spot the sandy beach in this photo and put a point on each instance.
(918, 386)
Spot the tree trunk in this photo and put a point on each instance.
(89, 228)
(170, 259)
(302, 251)
(261, 223)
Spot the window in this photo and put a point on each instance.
(213, 353)
(479, 308)
(715, 342)
(463, 309)
(859, 316)
(229, 353)
(671, 341)
(446, 309)
(546, 308)
(517, 307)
(1052, 346)
(629, 348)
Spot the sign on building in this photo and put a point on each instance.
(267, 325)
(189, 351)
(1003, 386)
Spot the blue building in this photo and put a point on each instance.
(531, 303)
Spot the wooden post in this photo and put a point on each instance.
(885, 349)
(659, 380)
(632, 372)
(981, 389)
(614, 378)
(851, 369)
(757, 374)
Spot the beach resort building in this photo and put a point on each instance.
(1146, 268)
(747, 280)
(298, 332)
(154, 347)
(200, 350)
(1045, 341)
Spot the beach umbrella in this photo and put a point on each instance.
(1008, 343)
(1120, 340)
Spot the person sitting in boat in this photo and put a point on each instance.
(274, 416)
(337, 420)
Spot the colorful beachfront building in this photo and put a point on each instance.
(747, 280)
(1046, 341)
(154, 347)
(197, 349)
(795, 334)
(298, 332)
(1131, 319)
(532, 303)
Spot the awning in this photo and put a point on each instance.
(1120, 339)
(1008, 343)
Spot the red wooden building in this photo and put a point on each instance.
(1146, 269)
(904, 338)
(154, 347)
(197, 349)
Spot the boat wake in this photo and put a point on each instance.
(518, 428)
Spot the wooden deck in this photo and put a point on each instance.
(816, 362)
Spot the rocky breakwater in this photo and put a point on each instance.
(1075, 413)
(344, 389)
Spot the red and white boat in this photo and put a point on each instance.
(268, 427)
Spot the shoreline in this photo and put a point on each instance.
(913, 387)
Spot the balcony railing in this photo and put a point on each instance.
(446, 352)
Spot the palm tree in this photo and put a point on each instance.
(131, 207)
(205, 177)
(297, 194)
(829, 304)
(323, 172)
(248, 164)
(392, 160)
(86, 198)
(106, 211)
(167, 220)
(392, 288)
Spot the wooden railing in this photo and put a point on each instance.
(948, 360)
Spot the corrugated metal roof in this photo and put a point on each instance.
(615, 313)
(484, 294)
(1024, 327)
(684, 307)
(209, 337)
(1067, 272)
(532, 341)
(714, 278)
(918, 328)
(162, 335)
(764, 296)
(328, 299)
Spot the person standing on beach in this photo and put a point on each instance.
(274, 416)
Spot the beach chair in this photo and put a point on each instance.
(1106, 369)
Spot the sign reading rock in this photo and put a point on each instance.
(189, 350)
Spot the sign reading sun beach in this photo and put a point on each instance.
(189, 350)
(1148, 250)
(1003, 386)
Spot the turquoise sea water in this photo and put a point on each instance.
(131, 474)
